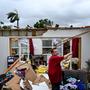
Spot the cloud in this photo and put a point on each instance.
(63, 12)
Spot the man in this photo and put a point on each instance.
(54, 68)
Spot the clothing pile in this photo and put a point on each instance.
(20, 72)
(73, 84)
(41, 69)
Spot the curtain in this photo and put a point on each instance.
(31, 47)
(75, 47)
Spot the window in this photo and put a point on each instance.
(14, 46)
(15, 51)
(24, 47)
(47, 43)
(46, 46)
(66, 47)
(19, 46)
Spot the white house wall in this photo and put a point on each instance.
(4, 52)
(85, 45)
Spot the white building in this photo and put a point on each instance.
(18, 45)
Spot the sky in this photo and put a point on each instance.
(62, 12)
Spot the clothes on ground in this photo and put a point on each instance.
(4, 78)
(73, 84)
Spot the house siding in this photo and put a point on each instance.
(4, 52)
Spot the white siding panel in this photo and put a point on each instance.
(62, 33)
(37, 46)
(85, 49)
(4, 52)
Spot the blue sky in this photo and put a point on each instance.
(62, 12)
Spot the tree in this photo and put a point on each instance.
(48, 22)
(28, 27)
(13, 16)
(1, 24)
(6, 27)
(57, 25)
(43, 23)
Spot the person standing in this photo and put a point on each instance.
(54, 68)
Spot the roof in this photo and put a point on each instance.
(39, 31)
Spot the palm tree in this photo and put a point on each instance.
(13, 16)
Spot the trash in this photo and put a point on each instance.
(4, 78)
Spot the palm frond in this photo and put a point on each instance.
(12, 19)
(11, 14)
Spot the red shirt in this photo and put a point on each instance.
(54, 69)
